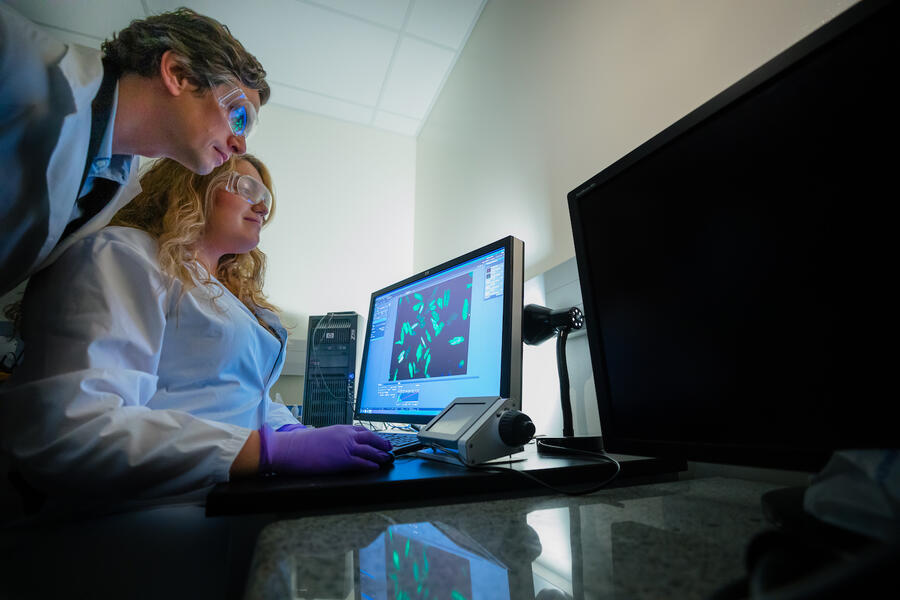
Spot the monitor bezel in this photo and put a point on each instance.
(511, 352)
(807, 459)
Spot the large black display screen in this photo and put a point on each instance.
(738, 269)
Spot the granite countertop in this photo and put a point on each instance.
(682, 539)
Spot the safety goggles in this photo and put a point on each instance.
(240, 112)
(250, 189)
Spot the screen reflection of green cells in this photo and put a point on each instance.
(420, 570)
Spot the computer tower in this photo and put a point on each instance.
(330, 379)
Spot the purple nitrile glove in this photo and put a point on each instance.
(327, 450)
(291, 427)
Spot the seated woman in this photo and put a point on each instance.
(150, 350)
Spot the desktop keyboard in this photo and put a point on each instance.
(401, 442)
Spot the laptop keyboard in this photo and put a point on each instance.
(401, 442)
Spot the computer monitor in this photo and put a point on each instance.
(452, 331)
(738, 269)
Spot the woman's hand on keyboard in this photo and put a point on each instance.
(333, 449)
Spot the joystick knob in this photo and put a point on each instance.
(515, 428)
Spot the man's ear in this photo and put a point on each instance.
(171, 70)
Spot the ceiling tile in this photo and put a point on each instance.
(396, 123)
(390, 13)
(306, 46)
(447, 23)
(376, 62)
(86, 17)
(316, 103)
(416, 77)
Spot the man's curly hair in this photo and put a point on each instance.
(205, 49)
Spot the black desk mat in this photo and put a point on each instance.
(414, 481)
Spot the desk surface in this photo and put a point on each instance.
(413, 481)
(680, 539)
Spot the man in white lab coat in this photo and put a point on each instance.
(72, 118)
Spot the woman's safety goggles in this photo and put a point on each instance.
(240, 112)
(250, 189)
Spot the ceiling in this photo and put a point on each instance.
(380, 63)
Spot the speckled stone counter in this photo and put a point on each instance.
(683, 539)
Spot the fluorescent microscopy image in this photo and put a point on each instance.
(431, 338)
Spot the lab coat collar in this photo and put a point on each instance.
(269, 317)
(80, 67)
(105, 164)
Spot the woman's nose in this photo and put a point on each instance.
(260, 208)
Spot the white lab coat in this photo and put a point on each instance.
(46, 90)
(126, 391)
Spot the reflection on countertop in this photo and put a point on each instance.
(682, 539)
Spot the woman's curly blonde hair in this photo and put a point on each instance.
(174, 207)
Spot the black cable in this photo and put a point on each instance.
(498, 469)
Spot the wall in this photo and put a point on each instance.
(547, 94)
(289, 388)
(344, 212)
(343, 223)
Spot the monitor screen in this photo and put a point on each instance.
(457, 419)
(452, 331)
(735, 268)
